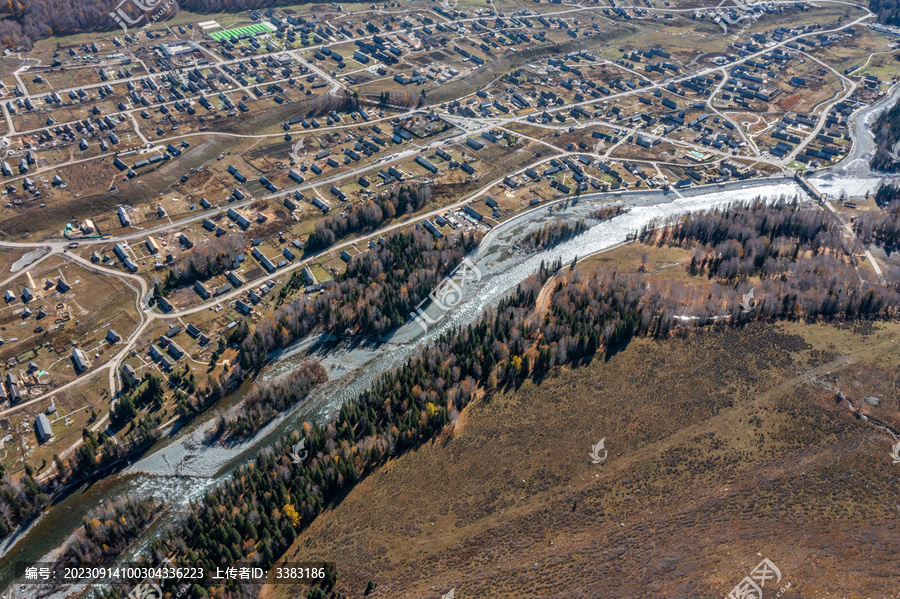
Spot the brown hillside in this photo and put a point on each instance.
(721, 452)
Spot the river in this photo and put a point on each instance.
(353, 367)
(853, 176)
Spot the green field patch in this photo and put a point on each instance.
(254, 29)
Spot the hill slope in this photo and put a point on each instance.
(721, 451)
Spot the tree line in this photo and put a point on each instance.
(204, 261)
(886, 132)
(30, 21)
(27, 22)
(21, 499)
(267, 398)
(758, 238)
(551, 234)
(109, 530)
(372, 297)
(888, 11)
(367, 214)
(881, 227)
(558, 231)
(886, 193)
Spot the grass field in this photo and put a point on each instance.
(722, 450)
(255, 29)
